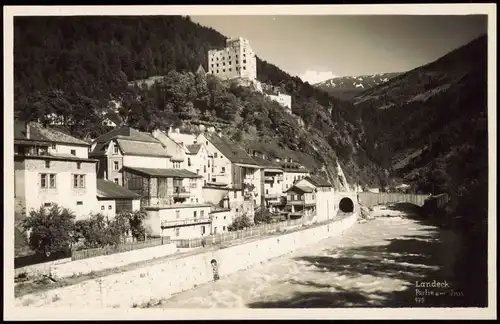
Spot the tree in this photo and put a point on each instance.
(240, 222)
(50, 230)
(135, 222)
(263, 216)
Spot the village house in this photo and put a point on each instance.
(113, 199)
(326, 207)
(272, 176)
(51, 167)
(126, 146)
(301, 202)
(195, 155)
(176, 150)
(173, 200)
(292, 172)
(232, 166)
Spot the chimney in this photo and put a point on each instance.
(170, 130)
(263, 155)
(28, 133)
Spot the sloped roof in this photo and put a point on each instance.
(39, 133)
(109, 189)
(193, 148)
(317, 181)
(164, 173)
(132, 147)
(230, 150)
(303, 189)
(266, 163)
(128, 132)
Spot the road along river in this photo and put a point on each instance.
(390, 261)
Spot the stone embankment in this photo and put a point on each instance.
(132, 288)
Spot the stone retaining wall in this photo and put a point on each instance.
(66, 268)
(161, 281)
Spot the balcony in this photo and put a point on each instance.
(296, 202)
(185, 222)
(182, 192)
(269, 178)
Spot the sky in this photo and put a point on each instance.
(317, 48)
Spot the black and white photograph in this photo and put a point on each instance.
(250, 160)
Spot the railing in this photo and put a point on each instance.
(269, 178)
(236, 235)
(181, 191)
(185, 221)
(125, 247)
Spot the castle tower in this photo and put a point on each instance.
(236, 60)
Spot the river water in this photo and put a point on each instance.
(378, 263)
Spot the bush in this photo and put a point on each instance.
(240, 223)
(132, 222)
(263, 216)
(97, 231)
(50, 230)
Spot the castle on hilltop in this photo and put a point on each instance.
(238, 61)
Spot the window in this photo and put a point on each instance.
(53, 146)
(202, 214)
(214, 180)
(209, 163)
(192, 200)
(73, 152)
(203, 230)
(236, 209)
(115, 165)
(177, 214)
(196, 200)
(267, 191)
(217, 71)
(224, 217)
(223, 169)
(47, 164)
(215, 154)
(194, 214)
(115, 149)
(223, 70)
(223, 228)
(78, 181)
(110, 207)
(177, 231)
(212, 64)
(47, 180)
(244, 61)
(197, 171)
(204, 169)
(47, 204)
(244, 68)
(206, 143)
(272, 185)
(79, 203)
(235, 194)
(217, 64)
(116, 181)
(102, 207)
(230, 70)
(189, 161)
(193, 183)
(78, 165)
(224, 64)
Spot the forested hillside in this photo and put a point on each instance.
(74, 66)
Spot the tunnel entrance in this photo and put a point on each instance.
(346, 205)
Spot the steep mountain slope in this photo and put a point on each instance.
(347, 87)
(430, 124)
(74, 67)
